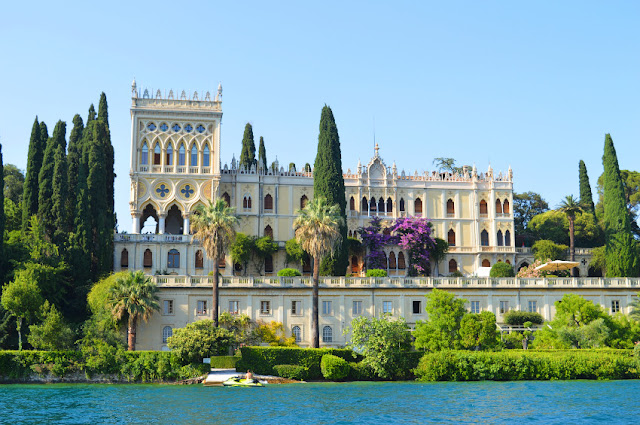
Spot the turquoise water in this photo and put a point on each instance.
(564, 402)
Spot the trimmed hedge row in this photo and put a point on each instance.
(517, 365)
(262, 360)
(141, 366)
(224, 362)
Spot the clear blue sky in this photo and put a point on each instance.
(534, 85)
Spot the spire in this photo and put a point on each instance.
(219, 94)
(376, 149)
(134, 90)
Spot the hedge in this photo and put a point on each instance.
(289, 272)
(517, 365)
(291, 371)
(224, 362)
(376, 273)
(334, 368)
(519, 318)
(262, 360)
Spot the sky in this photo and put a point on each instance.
(534, 85)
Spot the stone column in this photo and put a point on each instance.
(136, 222)
(161, 220)
(185, 224)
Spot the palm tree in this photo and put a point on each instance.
(317, 230)
(133, 296)
(570, 207)
(214, 226)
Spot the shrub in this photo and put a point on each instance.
(456, 273)
(291, 371)
(198, 340)
(518, 318)
(501, 269)
(376, 273)
(224, 362)
(546, 249)
(334, 368)
(289, 272)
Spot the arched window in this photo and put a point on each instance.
(453, 266)
(484, 238)
(364, 204)
(451, 237)
(306, 264)
(505, 206)
(350, 234)
(199, 259)
(483, 207)
(381, 205)
(124, 259)
(389, 205)
(327, 334)
(194, 156)
(144, 158)
(418, 206)
(401, 263)
(268, 231)
(500, 239)
(507, 238)
(182, 154)
(373, 206)
(355, 268)
(268, 202)
(147, 259)
(157, 154)
(169, 155)
(451, 208)
(392, 261)
(297, 333)
(401, 204)
(268, 264)
(498, 206)
(304, 200)
(352, 204)
(205, 156)
(246, 202)
(166, 333)
(226, 198)
(173, 259)
(508, 262)
(486, 263)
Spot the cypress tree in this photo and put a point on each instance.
(586, 198)
(59, 198)
(620, 252)
(92, 114)
(103, 115)
(328, 182)
(45, 179)
(248, 154)
(74, 157)
(2, 219)
(262, 154)
(34, 163)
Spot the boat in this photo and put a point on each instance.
(238, 382)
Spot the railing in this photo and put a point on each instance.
(134, 237)
(579, 251)
(401, 282)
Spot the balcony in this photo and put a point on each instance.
(151, 238)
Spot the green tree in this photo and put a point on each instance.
(21, 297)
(262, 154)
(550, 225)
(478, 331)
(383, 343)
(53, 333)
(328, 183)
(294, 252)
(103, 116)
(74, 158)
(570, 207)
(91, 114)
(214, 226)
(133, 297)
(544, 250)
(631, 185)
(438, 253)
(317, 229)
(241, 250)
(442, 329)
(12, 216)
(102, 325)
(2, 218)
(59, 199)
(262, 248)
(526, 206)
(501, 269)
(34, 163)
(586, 198)
(620, 249)
(13, 183)
(45, 179)
(248, 153)
(198, 340)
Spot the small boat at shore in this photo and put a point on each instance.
(238, 382)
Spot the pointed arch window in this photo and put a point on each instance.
(182, 154)
(173, 259)
(417, 207)
(401, 263)
(402, 205)
(483, 207)
(364, 204)
(144, 156)
(169, 154)
(392, 261)
(453, 266)
(268, 202)
(268, 231)
(194, 156)
(373, 206)
(451, 237)
(500, 239)
(484, 238)
(205, 156)
(389, 205)
(486, 263)
(304, 200)
(268, 264)
(381, 205)
(157, 154)
(498, 206)
(507, 238)
(199, 259)
(352, 204)
(124, 259)
(226, 198)
(451, 208)
(246, 202)
(505, 206)
(147, 259)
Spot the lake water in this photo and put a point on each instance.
(558, 402)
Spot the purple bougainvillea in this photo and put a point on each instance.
(413, 234)
(373, 240)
